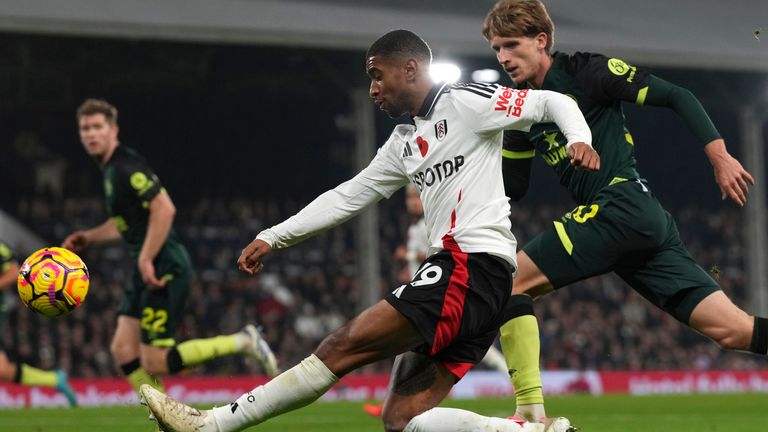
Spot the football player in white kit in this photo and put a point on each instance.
(446, 317)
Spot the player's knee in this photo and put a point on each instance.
(154, 364)
(735, 339)
(394, 422)
(122, 352)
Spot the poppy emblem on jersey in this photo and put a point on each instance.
(423, 145)
(441, 129)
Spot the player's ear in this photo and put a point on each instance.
(541, 41)
(411, 69)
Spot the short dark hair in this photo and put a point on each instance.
(97, 106)
(400, 43)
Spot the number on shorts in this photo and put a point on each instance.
(154, 320)
(579, 216)
(427, 276)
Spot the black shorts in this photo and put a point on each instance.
(456, 301)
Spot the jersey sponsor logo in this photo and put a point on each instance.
(505, 102)
(441, 129)
(423, 145)
(438, 172)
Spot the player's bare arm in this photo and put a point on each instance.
(104, 233)
(161, 214)
(250, 258)
(584, 156)
(730, 176)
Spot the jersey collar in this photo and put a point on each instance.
(431, 99)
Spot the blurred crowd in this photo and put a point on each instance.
(312, 288)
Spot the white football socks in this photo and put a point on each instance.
(292, 389)
(457, 420)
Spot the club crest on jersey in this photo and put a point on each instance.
(441, 129)
(423, 145)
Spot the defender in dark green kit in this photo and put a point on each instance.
(618, 225)
(17, 371)
(141, 213)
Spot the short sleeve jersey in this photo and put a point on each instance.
(598, 85)
(451, 153)
(129, 186)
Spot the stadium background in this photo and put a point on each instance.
(243, 131)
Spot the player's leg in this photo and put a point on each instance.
(585, 242)
(127, 355)
(377, 333)
(725, 323)
(162, 310)
(26, 375)
(419, 383)
(672, 280)
(520, 341)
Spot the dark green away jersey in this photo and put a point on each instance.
(598, 84)
(129, 186)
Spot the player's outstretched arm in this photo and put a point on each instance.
(730, 176)
(103, 233)
(732, 179)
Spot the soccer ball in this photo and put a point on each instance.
(53, 281)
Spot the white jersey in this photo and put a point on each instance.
(452, 154)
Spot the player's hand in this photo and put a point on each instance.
(75, 242)
(583, 156)
(147, 270)
(732, 178)
(250, 257)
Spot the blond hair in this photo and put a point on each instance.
(513, 18)
(97, 106)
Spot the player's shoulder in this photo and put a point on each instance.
(471, 91)
(594, 65)
(470, 96)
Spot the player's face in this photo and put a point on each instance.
(99, 137)
(521, 56)
(388, 85)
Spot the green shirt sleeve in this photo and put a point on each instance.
(685, 104)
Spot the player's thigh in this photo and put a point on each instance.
(125, 341)
(417, 384)
(718, 318)
(161, 311)
(670, 279)
(377, 333)
(529, 278)
(624, 219)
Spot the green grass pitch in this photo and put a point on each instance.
(699, 413)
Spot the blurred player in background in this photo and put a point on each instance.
(619, 225)
(18, 372)
(446, 318)
(141, 212)
(413, 253)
